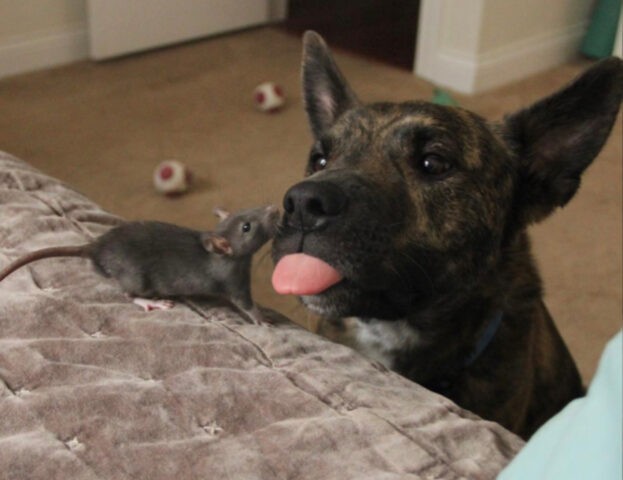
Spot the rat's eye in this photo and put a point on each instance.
(433, 165)
(246, 227)
(318, 162)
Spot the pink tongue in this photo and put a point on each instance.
(300, 274)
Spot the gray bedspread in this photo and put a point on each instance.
(92, 387)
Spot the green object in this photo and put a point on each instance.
(441, 97)
(599, 39)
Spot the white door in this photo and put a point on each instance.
(118, 27)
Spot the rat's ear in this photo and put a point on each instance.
(558, 137)
(326, 92)
(221, 213)
(214, 243)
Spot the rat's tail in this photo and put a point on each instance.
(73, 251)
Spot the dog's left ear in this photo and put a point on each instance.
(326, 92)
(559, 136)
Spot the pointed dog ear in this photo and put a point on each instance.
(326, 92)
(221, 213)
(559, 136)
(214, 243)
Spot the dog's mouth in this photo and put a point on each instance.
(338, 285)
(335, 249)
(304, 275)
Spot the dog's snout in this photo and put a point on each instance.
(313, 203)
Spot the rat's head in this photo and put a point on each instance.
(243, 232)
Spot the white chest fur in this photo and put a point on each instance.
(380, 340)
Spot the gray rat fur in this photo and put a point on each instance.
(155, 259)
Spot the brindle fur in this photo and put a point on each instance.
(442, 254)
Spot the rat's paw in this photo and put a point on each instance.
(149, 304)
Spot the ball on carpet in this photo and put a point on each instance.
(269, 97)
(171, 178)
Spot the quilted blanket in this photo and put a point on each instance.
(92, 387)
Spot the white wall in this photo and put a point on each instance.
(27, 17)
(460, 27)
(41, 33)
(510, 21)
(474, 45)
(37, 34)
(618, 41)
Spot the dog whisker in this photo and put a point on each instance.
(415, 263)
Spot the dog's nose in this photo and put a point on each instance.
(311, 204)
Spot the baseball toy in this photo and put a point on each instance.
(268, 97)
(171, 178)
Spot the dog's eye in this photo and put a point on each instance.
(246, 227)
(433, 164)
(318, 162)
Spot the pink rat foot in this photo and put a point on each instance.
(149, 304)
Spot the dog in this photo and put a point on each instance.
(411, 226)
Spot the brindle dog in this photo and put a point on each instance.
(423, 210)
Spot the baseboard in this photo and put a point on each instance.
(475, 74)
(527, 57)
(21, 55)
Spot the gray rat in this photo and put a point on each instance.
(155, 259)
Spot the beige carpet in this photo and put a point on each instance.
(103, 128)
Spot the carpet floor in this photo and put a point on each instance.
(103, 127)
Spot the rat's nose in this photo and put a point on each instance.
(311, 204)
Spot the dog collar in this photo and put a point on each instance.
(486, 338)
(443, 384)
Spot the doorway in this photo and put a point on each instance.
(381, 29)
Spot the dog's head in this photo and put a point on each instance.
(409, 203)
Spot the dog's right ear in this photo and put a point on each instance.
(326, 92)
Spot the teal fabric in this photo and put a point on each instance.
(585, 440)
(599, 39)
